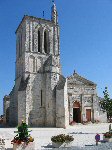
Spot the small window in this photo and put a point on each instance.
(41, 97)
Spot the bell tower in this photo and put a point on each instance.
(37, 69)
(37, 39)
(39, 88)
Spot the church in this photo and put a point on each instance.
(42, 96)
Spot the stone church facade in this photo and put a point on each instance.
(42, 96)
(83, 101)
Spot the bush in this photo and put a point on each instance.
(69, 138)
(61, 138)
(108, 135)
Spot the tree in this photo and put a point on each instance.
(22, 135)
(106, 104)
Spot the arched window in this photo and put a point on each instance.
(39, 42)
(45, 42)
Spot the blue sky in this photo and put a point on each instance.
(85, 38)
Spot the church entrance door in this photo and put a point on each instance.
(76, 112)
(88, 114)
(76, 115)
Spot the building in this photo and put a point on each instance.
(42, 96)
(83, 100)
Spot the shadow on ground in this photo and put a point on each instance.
(48, 146)
(83, 133)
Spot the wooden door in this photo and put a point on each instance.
(88, 114)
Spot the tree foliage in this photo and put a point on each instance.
(23, 135)
(106, 103)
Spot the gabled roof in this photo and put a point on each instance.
(77, 79)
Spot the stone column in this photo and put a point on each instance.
(35, 40)
(51, 42)
(30, 37)
(56, 50)
(81, 99)
(27, 40)
(69, 106)
(92, 108)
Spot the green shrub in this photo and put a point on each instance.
(61, 138)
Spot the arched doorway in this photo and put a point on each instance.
(76, 112)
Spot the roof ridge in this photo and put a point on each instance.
(82, 78)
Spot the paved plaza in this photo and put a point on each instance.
(84, 136)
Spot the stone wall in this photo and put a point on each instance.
(62, 113)
(83, 96)
(84, 91)
(99, 114)
(22, 107)
(34, 101)
(6, 103)
(14, 103)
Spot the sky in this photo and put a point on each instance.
(85, 39)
